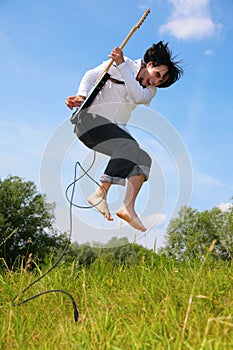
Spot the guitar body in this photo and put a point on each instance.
(92, 95)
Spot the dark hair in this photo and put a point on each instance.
(160, 54)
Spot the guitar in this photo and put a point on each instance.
(105, 75)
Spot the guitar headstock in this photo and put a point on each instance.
(142, 19)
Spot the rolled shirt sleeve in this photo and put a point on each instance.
(116, 101)
(89, 80)
(139, 94)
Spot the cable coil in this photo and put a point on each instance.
(70, 200)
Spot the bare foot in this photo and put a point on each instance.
(100, 204)
(131, 217)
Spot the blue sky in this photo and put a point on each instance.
(45, 48)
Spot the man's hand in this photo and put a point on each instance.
(74, 101)
(117, 55)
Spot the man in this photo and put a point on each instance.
(102, 126)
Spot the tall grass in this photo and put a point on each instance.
(122, 307)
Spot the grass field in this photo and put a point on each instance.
(158, 305)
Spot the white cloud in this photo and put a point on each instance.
(155, 220)
(209, 52)
(224, 206)
(206, 180)
(190, 19)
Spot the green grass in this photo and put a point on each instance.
(136, 307)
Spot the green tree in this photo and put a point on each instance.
(85, 254)
(26, 222)
(118, 251)
(190, 234)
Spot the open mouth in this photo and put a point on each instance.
(140, 82)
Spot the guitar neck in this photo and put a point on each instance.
(105, 76)
(133, 30)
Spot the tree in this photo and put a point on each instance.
(83, 254)
(118, 251)
(26, 222)
(190, 234)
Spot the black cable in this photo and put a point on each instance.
(85, 172)
(70, 200)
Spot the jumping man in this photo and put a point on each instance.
(102, 126)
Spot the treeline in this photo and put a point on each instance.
(26, 223)
(116, 250)
(190, 234)
(28, 232)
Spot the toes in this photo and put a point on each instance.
(108, 217)
(132, 219)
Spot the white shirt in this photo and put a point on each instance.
(116, 101)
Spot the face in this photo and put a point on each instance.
(153, 76)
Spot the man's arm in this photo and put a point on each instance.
(139, 94)
(87, 82)
(74, 101)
